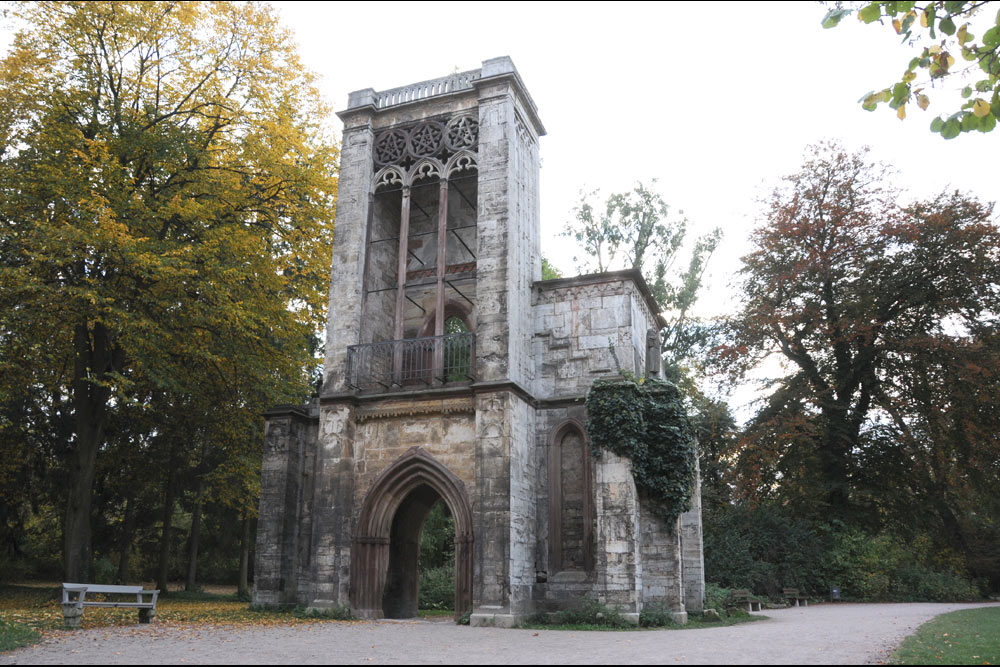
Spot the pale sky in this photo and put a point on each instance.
(715, 100)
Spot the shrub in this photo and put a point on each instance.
(763, 549)
(590, 612)
(766, 548)
(656, 616)
(437, 588)
(918, 583)
(717, 598)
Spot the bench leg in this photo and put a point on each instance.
(72, 615)
(147, 615)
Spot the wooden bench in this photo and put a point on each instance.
(73, 608)
(743, 597)
(794, 597)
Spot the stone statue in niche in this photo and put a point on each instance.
(654, 352)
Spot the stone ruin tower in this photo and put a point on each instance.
(454, 374)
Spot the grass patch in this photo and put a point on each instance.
(694, 623)
(15, 635)
(966, 637)
(435, 613)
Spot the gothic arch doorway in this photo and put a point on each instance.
(387, 540)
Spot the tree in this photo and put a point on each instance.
(549, 272)
(166, 202)
(635, 230)
(955, 22)
(862, 299)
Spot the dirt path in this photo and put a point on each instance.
(821, 634)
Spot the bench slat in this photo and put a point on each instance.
(101, 588)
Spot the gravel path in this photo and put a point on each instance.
(821, 634)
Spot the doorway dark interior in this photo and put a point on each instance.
(421, 549)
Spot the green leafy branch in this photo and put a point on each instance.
(948, 20)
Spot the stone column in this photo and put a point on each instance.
(616, 514)
(276, 565)
(334, 508)
(692, 550)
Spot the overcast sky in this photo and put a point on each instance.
(715, 100)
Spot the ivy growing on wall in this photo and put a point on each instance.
(645, 420)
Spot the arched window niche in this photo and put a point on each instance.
(571, 504)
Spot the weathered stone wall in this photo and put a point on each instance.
(523, 502)
(577, 322)
(280, 542)
(445, 428)
(347, 288)
(333, 508)
(492, 298)
(638, 561)
(616, 511)
(660, 550)
(643, 320)
(491, 506)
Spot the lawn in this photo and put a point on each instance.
(31, 611)
(967, 637)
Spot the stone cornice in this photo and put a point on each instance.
(632, 275)
(412, 408)
(295, 411)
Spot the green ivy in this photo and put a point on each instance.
(645, 421)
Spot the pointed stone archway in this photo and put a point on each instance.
(386, 540)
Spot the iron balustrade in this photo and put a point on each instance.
(412, 362)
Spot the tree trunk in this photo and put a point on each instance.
(243, 591)
(192, 573)
(125, 540)
(162, 570)
(95, 357)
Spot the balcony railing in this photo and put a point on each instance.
(411, 363)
